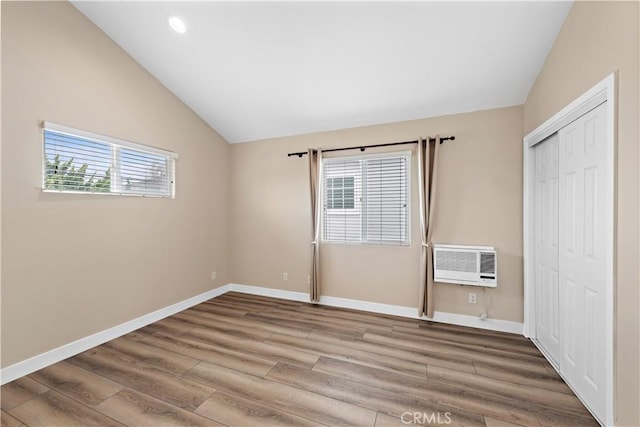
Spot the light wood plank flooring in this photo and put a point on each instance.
(240, 360)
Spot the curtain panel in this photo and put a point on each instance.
(427, 177)
(315, 186)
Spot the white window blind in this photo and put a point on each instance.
(366, 199)
(82, 162)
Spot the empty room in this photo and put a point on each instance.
(320, 213)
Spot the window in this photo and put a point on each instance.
(366, 199)
(76, 161)
(341, 192)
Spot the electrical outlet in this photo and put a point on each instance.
(285, 277)
(309, 280)
(214, 275)
(473, 298)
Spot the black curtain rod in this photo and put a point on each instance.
(364, 147)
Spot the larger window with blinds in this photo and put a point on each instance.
(366, 199)
(77, 161)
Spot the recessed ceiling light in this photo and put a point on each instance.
(177, 24)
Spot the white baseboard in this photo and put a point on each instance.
(269, 292)
(374, 307)
(475, 322)
(395, 310)
(56, 355)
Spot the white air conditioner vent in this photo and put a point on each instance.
(487, 263)
(465, 265)
(457, 261)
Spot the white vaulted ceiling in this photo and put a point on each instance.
(256, 70)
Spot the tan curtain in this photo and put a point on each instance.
(427, 168)
(315, 182)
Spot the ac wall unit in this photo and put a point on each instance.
(465, 265)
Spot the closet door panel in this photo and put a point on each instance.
(546, 246)
(582, 171)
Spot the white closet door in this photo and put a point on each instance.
(583, 170)
(546, 246)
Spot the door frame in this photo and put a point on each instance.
(603, 91)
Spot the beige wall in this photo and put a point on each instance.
(480, 202)
(73, 265)
(599, 38)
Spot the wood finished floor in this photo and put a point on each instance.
(240, 360)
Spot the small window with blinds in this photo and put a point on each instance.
(341, 192)
(366, 199)
(77, 161)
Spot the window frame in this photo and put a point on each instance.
(115, 146)
(361, 210)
